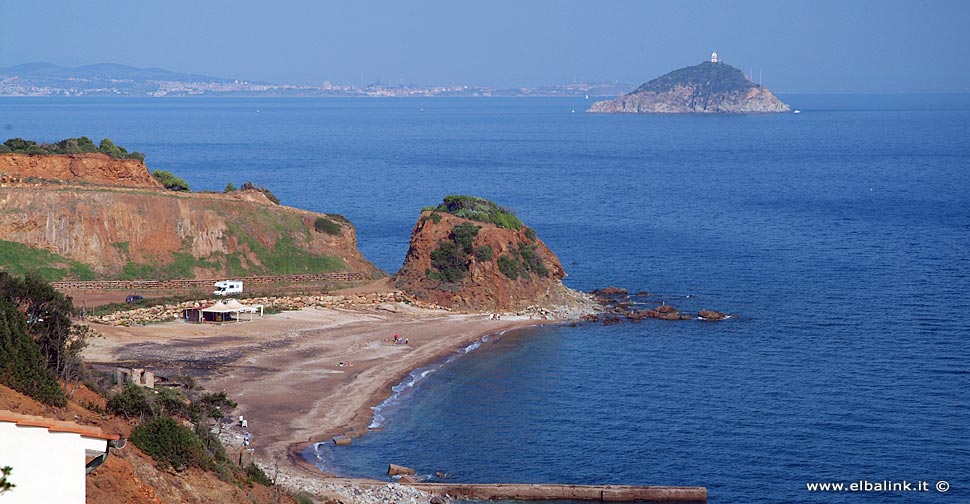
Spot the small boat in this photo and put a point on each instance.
(797, 111)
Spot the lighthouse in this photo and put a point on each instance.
(714, 57)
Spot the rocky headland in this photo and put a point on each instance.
(87, 216)
(469, 253)
(708, 88)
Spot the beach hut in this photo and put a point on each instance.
(228, 310)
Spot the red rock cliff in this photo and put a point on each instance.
(113, 216)
(505, 270)
(93, 168)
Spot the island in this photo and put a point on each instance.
(712, 87)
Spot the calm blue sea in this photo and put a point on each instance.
(839, 236)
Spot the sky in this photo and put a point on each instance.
(849, 46)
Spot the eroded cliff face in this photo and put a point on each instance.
(92, 168)
(115, 218)
(537, 271)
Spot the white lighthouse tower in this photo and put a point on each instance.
(714, 57)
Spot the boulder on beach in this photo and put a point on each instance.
(394, 470)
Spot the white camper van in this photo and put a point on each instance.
(227, 287)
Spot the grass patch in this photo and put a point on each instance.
(19, 259)
(479, 209)
(285, 258)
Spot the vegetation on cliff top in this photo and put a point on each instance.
(706, 78)
(79, 145)
(170, 181)
(478, 209)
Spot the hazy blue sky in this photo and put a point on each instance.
(804, 46)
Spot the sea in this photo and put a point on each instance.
(837, 238)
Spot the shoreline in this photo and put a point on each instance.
(360, 424)
(283, 369)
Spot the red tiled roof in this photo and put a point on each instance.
(55, 425)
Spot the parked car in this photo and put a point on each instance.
(133, 298)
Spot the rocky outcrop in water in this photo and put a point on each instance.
(470, 254)
(708, 88)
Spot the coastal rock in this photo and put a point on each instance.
(711, 315)
(611, 291)
(471, 254)
(394, 470)
(707, 88)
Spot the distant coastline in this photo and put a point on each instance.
(111, 80)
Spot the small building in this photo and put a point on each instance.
(137, 376)
(49, 458)
(228, 310)
(714, 57)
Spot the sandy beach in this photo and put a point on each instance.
(284, 369)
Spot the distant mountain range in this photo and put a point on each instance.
(110, 79)
(101, 71)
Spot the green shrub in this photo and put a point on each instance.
(5, 484)
(302, 499)
(532, 261)
(483, 253)
(229, 188)
(256, 475)
(170, 181)
(22, 364)
(48, 322)
(69, 146)
(170, 444)
(530, 234)
(450, 261)
(133, 402)
(508, 266)
(325, 225)
(171, 401)
(463, 235)
(479, 209)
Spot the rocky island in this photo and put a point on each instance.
(712, 87)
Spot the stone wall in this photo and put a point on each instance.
(95, 285)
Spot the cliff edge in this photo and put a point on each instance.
(88, 168)
(709, 88)
(91, 216)
(470, 254)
